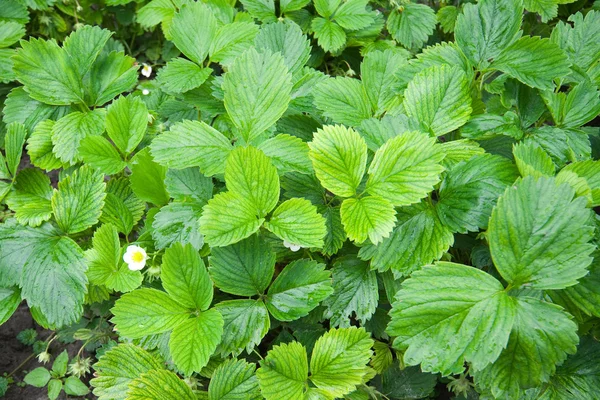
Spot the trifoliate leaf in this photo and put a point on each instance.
(194, 341)
(244, 268)
(412, 25)
(177, 223)
(541, 337)
(192, 30)
(250, 174)
(535, 62)
(339, 157)
(78, 203)
(246, 322)
(231, 40)
(10, 298)
(446, 314)
(419, 239)
(330, 36)
(68, 132)
(405, 168)
(189, 183)
(233, 380)
(126, 122)
(181, 75)
(354, 292)
(192, 144)
(485, 29)
(112, 74)
(30, 199)
(539, 234)
(288, 40)
(105, 264)
(532, 160)
(99, 153)
(146, 312)
(185, 277)
(297, 221)
(228, 218)
(257, 90)
(84, 45)
(439, 98)
(288, 153)
(469, 192)
(343, 99)
(113, 375)
(159, 385)
(339, 359)
(39, 147)
(299, 288)
(283, 372)
(46, 72)
(148, 179)
(371, 217)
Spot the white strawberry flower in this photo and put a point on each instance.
(146, 70)
(145, 92)
(135, 257)
(292, 246)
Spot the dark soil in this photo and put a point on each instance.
(14, 353)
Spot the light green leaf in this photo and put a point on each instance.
(122, 207)
(419, 239)
(10, 298)
(7, 73)
(447, 16)
(263, 10)
(192, 30)
(231, 40)
(227, 219)
(539, 234)
(330, 36)
(146, 312)
(148, 179)
(257, 90)
(299, 288)
(177, 223)
(39, 377)
(99, 153)
(283, 372)
(535, 62)
(581, 105)
(378, 76)
(112, 375)
(155, 12)
(181, 75)
(105, 264)
(579, 38)
(326, 8)
(439, 98)
(286, 39)
(112, 74)
(14, 141)
(250, 174)
(339, 157)
(20, 107)
(371, 217)
(297, 221)
(194, 341)
(126, 122)
(339, 359)
(405, 168)
(288, 153)
(470, 191)
(588, 170)
(532, 160)
(485, 29)
(354, 292)
(448, 313)
(39, 147)
(68, 132)
(244, 268)
(336, 236)
(292, 5)
(343, 99)
(31, 197)
(354, 15)
(548, 9)
(84, 45)
(185, 278)
(541, 337)
(189, 183)
(159, 385)
(246, 322)
(74, 387)
(413, 25)
(192, 144)
(46, 72)
(78, 203)
(234, 380)
(10, 33)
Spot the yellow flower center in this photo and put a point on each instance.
(137, 257)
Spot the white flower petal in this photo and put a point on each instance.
(136, 266)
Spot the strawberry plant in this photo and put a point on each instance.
(295, 199)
